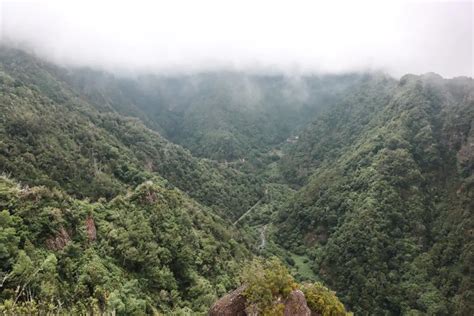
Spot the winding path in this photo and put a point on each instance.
(248, 211)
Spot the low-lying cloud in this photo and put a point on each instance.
(292, 36)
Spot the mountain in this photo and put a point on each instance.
(100, 213)
(51, 136)
(151, 249)
(225, 116)
(153, 194)
(386, 210)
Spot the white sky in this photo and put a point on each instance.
(329, 36)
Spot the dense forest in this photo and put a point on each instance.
(154, 194)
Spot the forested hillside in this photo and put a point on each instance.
(152, 249)
(226, 116)
(51, 136)
(150, 193)
(97, 209)
(386, 214)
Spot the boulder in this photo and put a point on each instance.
(58, 241)
(235, 304)
(232, 304)
(295, 305)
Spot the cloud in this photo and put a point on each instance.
(302, 36)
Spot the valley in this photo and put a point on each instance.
(150, 194)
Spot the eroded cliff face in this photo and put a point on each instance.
(296, 304)
(235, 304)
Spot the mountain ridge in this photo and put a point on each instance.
(361, 181)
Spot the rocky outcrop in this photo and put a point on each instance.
(90, 229)
(230, 305)
(295, 305)
(234, 304)
(59, 241)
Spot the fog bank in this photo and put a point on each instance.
(292, 36)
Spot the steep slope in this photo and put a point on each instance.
(99, 212)
(51, 136)
(153, 249)
(386, 214)
(337, 127)
(144, 245)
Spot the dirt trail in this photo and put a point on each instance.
(248, 211)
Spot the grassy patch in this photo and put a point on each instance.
(303, 267)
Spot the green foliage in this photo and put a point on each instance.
(154, 249)
(266, 282)
(323, 301)
(224, 116)
(9, 238)
(99, 213)
(51, 137)
(386, 190)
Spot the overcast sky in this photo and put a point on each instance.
(328, 36)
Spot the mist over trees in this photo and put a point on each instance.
(150, 194)
(236, 158)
